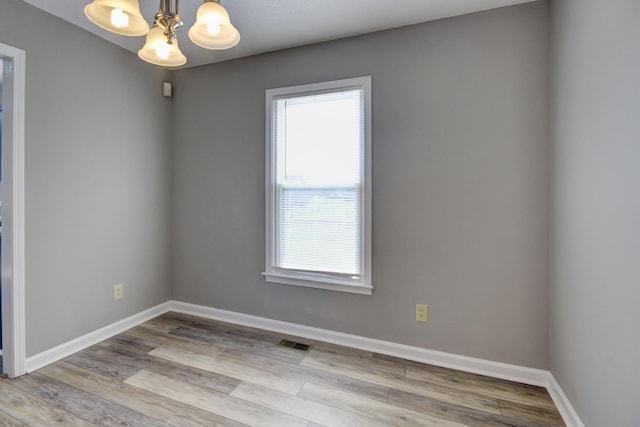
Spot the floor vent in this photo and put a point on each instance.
(294, 345)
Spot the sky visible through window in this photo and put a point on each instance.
(323, 139)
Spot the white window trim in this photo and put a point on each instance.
(307, 279)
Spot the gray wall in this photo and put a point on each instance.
(97, 178)
(460, 187)
(594, 338)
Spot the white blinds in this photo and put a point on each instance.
(319, 165)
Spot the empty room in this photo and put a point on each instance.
(320, 213)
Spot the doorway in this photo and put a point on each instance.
(12, 261)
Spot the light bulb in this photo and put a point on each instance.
(119, 19)
(213, 28)
(163, 50)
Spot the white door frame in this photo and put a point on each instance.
(13, 218)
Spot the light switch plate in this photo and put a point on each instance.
(167, 89)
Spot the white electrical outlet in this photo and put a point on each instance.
(421, 312)
(118, 291)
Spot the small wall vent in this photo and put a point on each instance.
(294, 345)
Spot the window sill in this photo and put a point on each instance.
(296, 281)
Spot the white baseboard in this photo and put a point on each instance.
(505, 371)
(61, 351)
(500, 370)
(569, 415)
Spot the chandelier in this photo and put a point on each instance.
(212, 30)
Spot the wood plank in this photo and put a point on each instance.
(340, 349)
(32, 411)
(238, 333)
(361, 360)
(453, 378)
(381, 412)
(86, 405)
(259, 375)
(302, 408)
(451, 412)
(241, 347)
(444, 394)
(117, 352)
(162, 339)
(542, 415)
(505, 390)
(145, 402)
(91, 360)
(132, 345)
(340, 382)
(7, 420)
(218, 403)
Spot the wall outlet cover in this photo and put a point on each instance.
(118, 291)
(421, 312)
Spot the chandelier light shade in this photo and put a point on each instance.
(213, 29)
(118, 16)
(161, 51)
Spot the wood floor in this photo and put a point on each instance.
(179, 370)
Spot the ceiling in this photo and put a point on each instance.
(267, 25)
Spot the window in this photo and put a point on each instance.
(318, 185)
